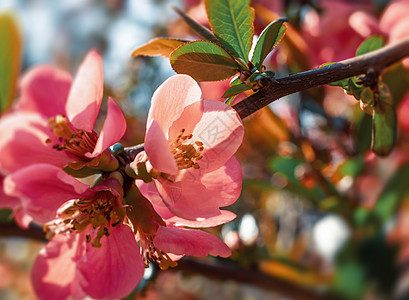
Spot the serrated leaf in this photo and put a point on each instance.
(370, 44)
(235, 90)
(232, 23)
(10, 59)
(268, 39)
(235, 80)
(198, 28)
(383, 128)
(204, 61)
(159, 46)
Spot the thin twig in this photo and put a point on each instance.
(377, 60)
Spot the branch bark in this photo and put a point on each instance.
(377, 60)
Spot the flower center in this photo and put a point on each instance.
(100, 211)
(186, 153)
(75, 141)
(152, 254)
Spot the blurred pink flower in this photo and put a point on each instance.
(394, 22)
(94, 249)
(189, 147)
(54, 120)
(330, 34)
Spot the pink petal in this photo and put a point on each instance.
(113, 270)
(44, 89)
(22, 218)
(395, 12)
(189, 242)
(113, 130)
(225, 182)
(42, 191)
(23, 142)
(54, 269)
(150, 192)
(170, 99)
(221, 132)
(190, 116)
(224, 217)
(158, 150)
(188, 199)
(86, 92)
(7, 201)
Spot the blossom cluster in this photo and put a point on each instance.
(106, 211)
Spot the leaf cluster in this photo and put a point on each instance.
(375, 100)
(225, 50)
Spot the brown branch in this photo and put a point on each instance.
(377, 60)
(211, 269)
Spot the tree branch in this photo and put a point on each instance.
(377, 60)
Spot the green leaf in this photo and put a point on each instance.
(204, 61)
(354, 88)
(349, 280)
(370, 44)
(342, 83)
(198, 28)
(235, 80)
(158, 46)
(10, 59)
(235, 90)
(232, 23)
(395, 190)
(383, 125)
(268, 39)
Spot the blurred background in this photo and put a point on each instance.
(320, 215)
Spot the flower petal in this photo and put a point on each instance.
(188, 199)
(113, 130)
(225, 182)
(150, 192)
(170, 99)
(43, 194)
(224, 217)
(23, 142)
(189, 242)
(45, 89)
(54, 269)
(113, 270)
(158, 150)
(86, 92)
(7, 201)
(221, 132)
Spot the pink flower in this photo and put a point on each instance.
(94, 231)
(330, 34)
(189, 147)
(54, 120)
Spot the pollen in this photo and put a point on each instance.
(151, 254)
(101, 212)
(186, 152)
(75, 141)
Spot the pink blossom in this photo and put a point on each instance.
(94, 231)
(189, 147)
(55, 117)
(330, 35)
